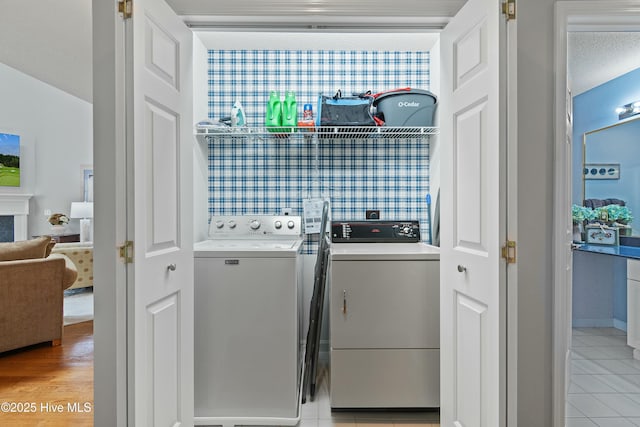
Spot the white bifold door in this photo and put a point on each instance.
(159, 208)
(473, 121)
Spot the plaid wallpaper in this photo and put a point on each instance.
(265, 175)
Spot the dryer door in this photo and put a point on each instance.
(385, 304)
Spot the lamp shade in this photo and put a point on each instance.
(81, 210)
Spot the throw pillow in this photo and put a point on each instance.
(49, 248)
(26, 249)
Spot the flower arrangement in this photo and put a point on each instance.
(580, 214)
(614, 213)
(58, 219)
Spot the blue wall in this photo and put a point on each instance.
(599, 284)
(264, 175)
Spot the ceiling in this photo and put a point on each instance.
(60, 54)
(318, 7)
(597, 57)
(51, 41)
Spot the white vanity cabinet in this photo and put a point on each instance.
(633, 306)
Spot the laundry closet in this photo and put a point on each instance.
(263, 173)
(250, 170)
(174, 87)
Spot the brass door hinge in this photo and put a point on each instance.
(509, 9)
(509, 252)
(124, 7)
(126, 252)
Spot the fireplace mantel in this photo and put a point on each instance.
(16, 205)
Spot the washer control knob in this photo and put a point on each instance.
(219, 224)
(255, 224)
(291, 224)
(232, 224)
(278, 225)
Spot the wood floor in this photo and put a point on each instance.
(49, 386)
(53, 386)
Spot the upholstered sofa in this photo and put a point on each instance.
(31, 293)
(82, 256)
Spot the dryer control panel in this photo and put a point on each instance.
(375, 231)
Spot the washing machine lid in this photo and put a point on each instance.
(384, 251)
(265, 248)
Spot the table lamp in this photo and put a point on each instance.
(84, 211)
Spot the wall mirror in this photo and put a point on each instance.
(611, 166)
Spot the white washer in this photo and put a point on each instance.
(248, 321)
(385, 325)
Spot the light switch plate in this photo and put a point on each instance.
(312, 209)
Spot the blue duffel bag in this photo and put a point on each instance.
(337, 110)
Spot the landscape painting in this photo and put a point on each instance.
(9, 160)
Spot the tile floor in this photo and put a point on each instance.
(318, 412)
(605, 380)
(604, 390)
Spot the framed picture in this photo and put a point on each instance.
(602, 171)
(9, 160)
(88, 185)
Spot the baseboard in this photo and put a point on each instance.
(593, 323)
(599, 323)
(619, 324)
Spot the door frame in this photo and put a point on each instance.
(572, 16)
(109, 158)
(109, 155)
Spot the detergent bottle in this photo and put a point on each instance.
(290, 110)
(274, 110)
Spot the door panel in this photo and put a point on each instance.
(163, 317)
(469, 149)
(469, 359)
(470, 54)
(473, 286)
(164, 156)
(161, 53)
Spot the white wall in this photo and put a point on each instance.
(60, 126)
(110, 274)
(200, 149)
(318, 41)
(435, 147)
(50, 41)
(535, 21)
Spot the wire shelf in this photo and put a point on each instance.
(322, 132)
